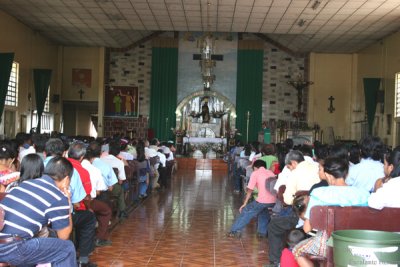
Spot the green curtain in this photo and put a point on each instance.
(249, 93)
(6, 60)
(41, 78)
(371, 88)
(164, 82)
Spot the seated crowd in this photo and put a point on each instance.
(68, 189)
(289, 181)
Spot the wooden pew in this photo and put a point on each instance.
(333, 218)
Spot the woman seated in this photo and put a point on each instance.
(8, 176)
(338, 193)
(387, 189)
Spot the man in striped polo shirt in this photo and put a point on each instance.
(29, 207)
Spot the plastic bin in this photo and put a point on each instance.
(366, 248)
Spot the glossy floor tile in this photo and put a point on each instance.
(185, 226)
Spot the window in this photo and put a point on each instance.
(397, 96)
(12, 91)
(47, 103)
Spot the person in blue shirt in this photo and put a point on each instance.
(338, 193)
(55, 147)
(364, 174)
(83, 220)
(32, 205)
(110, 179)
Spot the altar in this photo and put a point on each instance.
(202, 140)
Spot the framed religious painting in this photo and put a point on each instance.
(121, 101)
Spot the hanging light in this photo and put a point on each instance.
(206, 44)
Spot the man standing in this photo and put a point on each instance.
(32, 205)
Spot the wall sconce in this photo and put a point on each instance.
(29, 97)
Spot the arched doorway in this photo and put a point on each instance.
(192, 111)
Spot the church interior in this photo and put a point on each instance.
(92, 47)
(200, 72)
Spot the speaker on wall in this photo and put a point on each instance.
(55, 98)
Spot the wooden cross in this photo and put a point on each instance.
(81, 92)
(331, 109)
(213, 57)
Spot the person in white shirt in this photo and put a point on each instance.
(387, 189)
(124, 153)
(101, 209)
(111, 159)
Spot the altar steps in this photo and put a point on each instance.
(202, 164)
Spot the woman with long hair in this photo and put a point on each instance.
(32, 167)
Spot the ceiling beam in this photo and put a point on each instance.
(137, 43)
(279, 45)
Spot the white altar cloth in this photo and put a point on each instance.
(199, 140)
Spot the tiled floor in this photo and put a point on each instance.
(185, 226)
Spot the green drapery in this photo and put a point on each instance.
(6, 61)
(371, 87)
(249, 92)
(164, 82)
(41, 78)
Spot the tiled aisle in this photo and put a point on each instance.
(185, 226)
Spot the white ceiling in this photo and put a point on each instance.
(338, 26)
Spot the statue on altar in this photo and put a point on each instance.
(205, 111)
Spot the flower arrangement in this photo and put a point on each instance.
(205, 147)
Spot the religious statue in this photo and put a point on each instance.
(117, 102)
(129, 99)
(205, 112)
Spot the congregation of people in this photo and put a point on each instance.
(61, 194)
(283, 182)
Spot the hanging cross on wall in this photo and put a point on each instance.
(331, 109)
(81, 92)
(213, 57)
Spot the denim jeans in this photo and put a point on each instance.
(250, 211)
(142, 188)
(237, 172)
(60, 253)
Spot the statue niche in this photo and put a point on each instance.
(205, 111)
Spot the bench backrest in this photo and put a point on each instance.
(332, 218)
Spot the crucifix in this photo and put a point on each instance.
(299, 85)
(81, 92)
(331, 109)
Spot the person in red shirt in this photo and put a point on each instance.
(83, 219)
(287, 257)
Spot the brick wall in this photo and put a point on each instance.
(135, 127)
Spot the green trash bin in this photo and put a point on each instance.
(366, 248)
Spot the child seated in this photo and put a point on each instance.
(287, 258)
